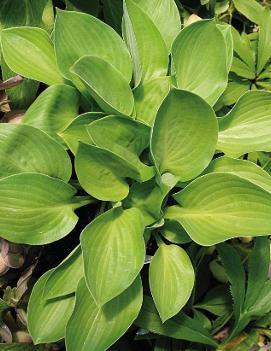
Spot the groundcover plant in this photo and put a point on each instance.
(131, 136)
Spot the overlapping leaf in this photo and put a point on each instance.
(109, 272)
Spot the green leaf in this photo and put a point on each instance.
(124, 137)
(175, 233)
(123, 230)
(179, 327)
(264, 42)
(241, 69)
(21, 347)
(246, 127)
(225, 29)
(78, 34)
(91, 7)
(37, 209)
(97, 328)
(29, 52)
(141, 34)
(258, 267)
(103, 80)
(236, 274)
(47, 319)
(250, 9)
(101, 173)
(242, 168)
(149, 97)
(242, 47)
(171, 278)
(53, 110)
(220, 206)
(234, 91)
(166, 17)
(201, 41)
(27, 149)
(113, 11)
(184, 135)
(77, 130)
(64, 279)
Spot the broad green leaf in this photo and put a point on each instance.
(179, 327)
(146, 44)
(77, 130)
(258, 267)
(53, 110)
(119, 229)
(148, 198)
(201, 41)
(103, 81)
(234, 91)
(92, 7)
(246, 127)
(166, 17)
(184, 135)
(242, 168)
(64, 279)
(250, 9)
(171, 278)
(220, 206)
(242, 47)
(101, 173)
(124, 137)
(264, 43)
(29, 52)
(174, 232)
(27, 149)
(20, 97)
(37, 209)
(97, 328)
(149, 97)
(236, 274)
(47, 319)
(78, 34)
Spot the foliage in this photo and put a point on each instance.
(160, 129)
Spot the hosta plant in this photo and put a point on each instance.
(126, 128)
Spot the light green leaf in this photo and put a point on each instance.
(123, 230)
(53, 110)
(264, 43)
(234, 91)
(242, 168)
(77, 130)
(250, 9)
(179, 327)
(201, 41)
(149, 97)
(63, 280)
(225, 29)
(94, 328)
(220, 206)
(92, 7)
(141, 34)
(166, 17)
(171, 278)
(241, 69)
(29, 52)
(47, 319)
(103, 81)
(124, 137)
(242, 47)
(37, 209)
(246, 127)
(27, 149)
(184, 135)
(101, 173)
(78, 34)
